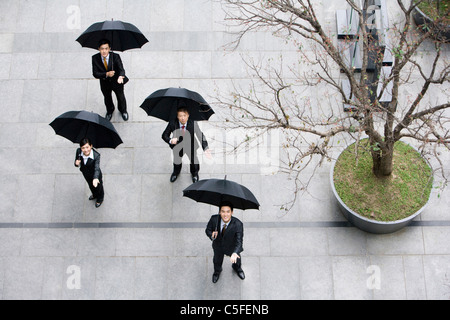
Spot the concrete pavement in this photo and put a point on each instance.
(147, 241)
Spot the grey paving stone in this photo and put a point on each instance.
(114, 278)
(316, 278)
(2, 276)
(118, 206)
(34, 200)
(167, 16)
(280, 278)
(49, 243)
(435, 239)
(153, 161)
(298, 242)
(78, 277)
(229, 286)
(144, 242)
(154, 207)
(10, 243)
(24, 66)
(68, 95)
(147, 241)
(392, 282)
(187, 277)
(11, 93)
(69, 198)
(191, 243)
(8, 15)
(19, 136)
(31, 16)
(350, 278)
(198, 16)
(414, 277)
(343, 242)
(36, 93)
(7, 197)
(152, 278)
(96, 242)
(436, 269)
(256, 242)
(407, 241)
(52, 282)
(23, 278)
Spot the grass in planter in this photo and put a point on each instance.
(429, 7)
(384, 199)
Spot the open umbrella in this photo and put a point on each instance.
(217, 191)
(77, 125)
(163, 104)
(122, 35)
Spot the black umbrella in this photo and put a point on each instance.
(163, 104)
(77, 125)
(217, 191)
(122, 35)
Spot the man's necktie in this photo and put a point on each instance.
(105, 63)
(224, 229)
(183, 130)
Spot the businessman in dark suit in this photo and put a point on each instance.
(181, 136)
(107, 66)
(227, 234)
(88, 160)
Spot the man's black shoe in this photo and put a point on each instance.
(240, 273)
(215, 277)
(173, 177)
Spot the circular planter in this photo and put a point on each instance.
(442, 31)
(370, 225)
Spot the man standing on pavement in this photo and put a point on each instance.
(227, 234)
(108, 68)
(180, 135)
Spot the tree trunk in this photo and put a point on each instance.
(383, 160)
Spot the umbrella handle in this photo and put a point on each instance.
(112, 59)
(112, 40)
(218, 222)
(85, 133)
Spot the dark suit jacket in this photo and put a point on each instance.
(232, 241)
(114, 63)
(91, 170)
(192, 128)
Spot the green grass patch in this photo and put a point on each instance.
(430, 8)
(391, 198)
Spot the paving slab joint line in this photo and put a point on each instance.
(194, 225)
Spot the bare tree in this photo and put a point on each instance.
(310, 128)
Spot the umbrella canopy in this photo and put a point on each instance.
(163, 104)
(77, 125)
(122, 35)
(217, 191)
